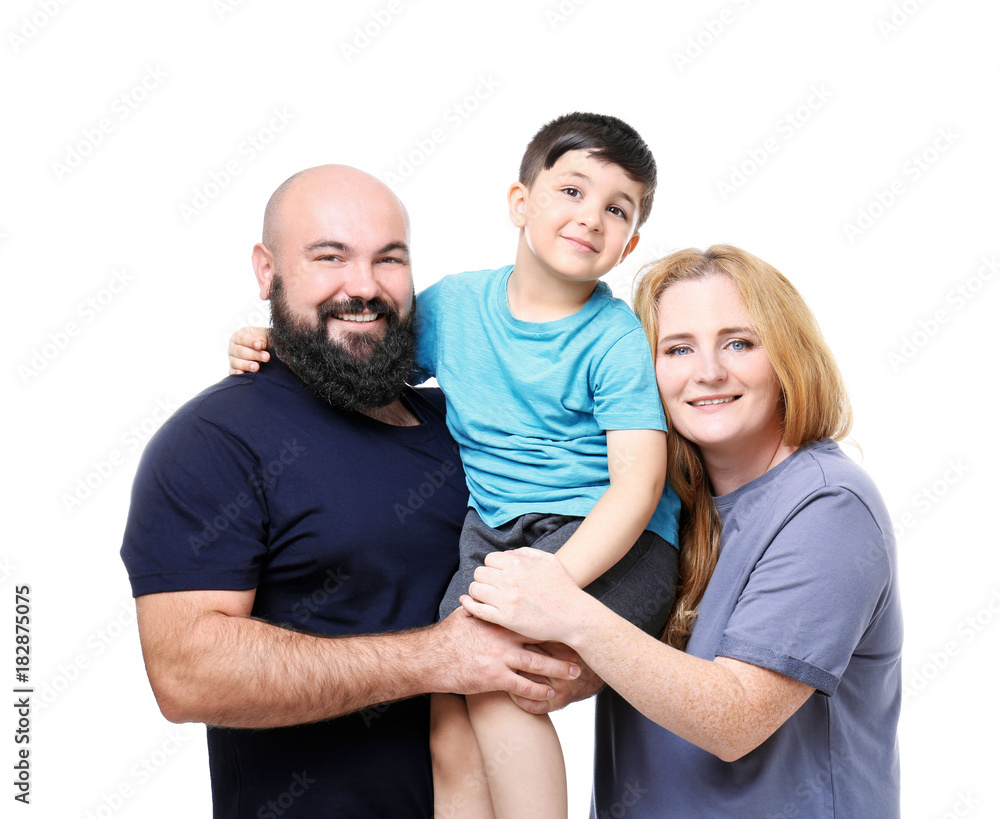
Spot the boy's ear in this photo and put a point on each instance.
(263, 268)
(629, 247)
(517, 198)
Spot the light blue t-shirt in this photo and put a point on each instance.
(806, 585)
(529, 402)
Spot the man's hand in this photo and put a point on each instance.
(566, 691)
(476, 657)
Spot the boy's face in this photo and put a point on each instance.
(578, 218)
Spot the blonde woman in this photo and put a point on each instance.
(776, 688)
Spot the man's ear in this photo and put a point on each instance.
(263, 267)
(517, 198)
(629, 247)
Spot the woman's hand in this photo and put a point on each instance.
(247, 347)
(527, 591)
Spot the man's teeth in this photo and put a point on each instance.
(362, 317)
(713, 401)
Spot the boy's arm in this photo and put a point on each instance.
(247, 347)
(637, 466)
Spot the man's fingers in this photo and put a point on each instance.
(526, 689)
(533, 706)
(544, 666)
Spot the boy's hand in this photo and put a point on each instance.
(247, 347)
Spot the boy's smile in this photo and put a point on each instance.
(578, 220)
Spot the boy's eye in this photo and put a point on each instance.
(574, 192)
(617, 211)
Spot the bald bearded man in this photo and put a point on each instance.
(284, 577)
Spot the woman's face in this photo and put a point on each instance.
(715, 379)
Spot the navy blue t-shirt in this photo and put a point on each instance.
(343, 525)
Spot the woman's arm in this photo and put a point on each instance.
(726, 707)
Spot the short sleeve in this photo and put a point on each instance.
(198, 515)
(624, 385)
(425, 359)
(814, 592)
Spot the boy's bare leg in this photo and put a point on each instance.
(461, 788)
(522, 757)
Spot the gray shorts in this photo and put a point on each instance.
(640, 587)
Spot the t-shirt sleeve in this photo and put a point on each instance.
(425, 359)
(198, 515)
(624, 385)
(813, 593)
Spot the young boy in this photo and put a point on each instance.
(552, 399)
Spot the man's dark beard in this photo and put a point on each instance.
(355, 372)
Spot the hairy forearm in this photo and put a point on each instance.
(209, 661)
(245, 673)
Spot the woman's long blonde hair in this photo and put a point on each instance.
(814, 400)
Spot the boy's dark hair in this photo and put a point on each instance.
(606, 138)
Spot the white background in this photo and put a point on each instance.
(123, 284)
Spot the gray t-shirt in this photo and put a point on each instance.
(806, 585)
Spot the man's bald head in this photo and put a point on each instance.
(313, 188)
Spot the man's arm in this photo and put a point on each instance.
(209, 661)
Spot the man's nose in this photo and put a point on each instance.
(362, 283)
